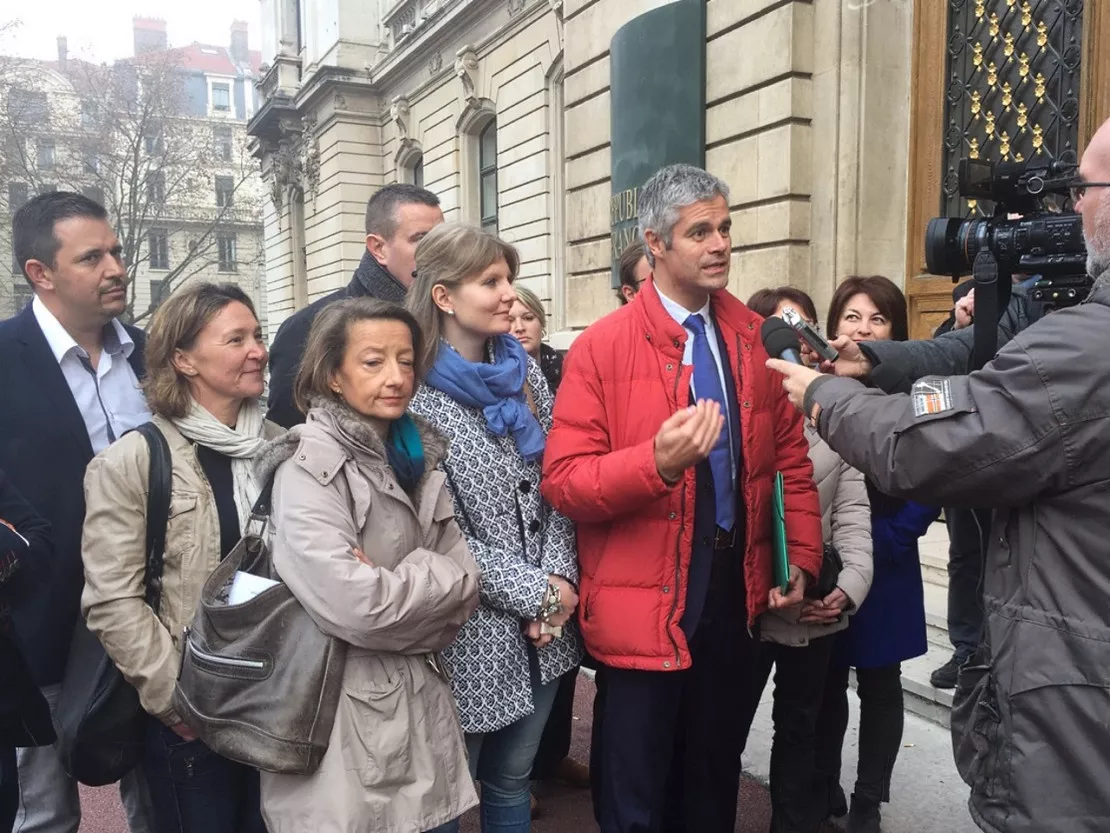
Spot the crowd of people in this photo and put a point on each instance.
(473, 516)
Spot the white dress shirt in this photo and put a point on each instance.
(108, 397)
(679, 313)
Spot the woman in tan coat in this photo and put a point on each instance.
(205, 362)
(797, 641)
(365, 537)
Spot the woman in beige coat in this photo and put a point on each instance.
(205, 362)
(365, 537)
(797, 641)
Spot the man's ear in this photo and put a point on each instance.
(376, 246)
(654, 243)
(628, 292)
(40, 275)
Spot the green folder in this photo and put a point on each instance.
(778, 534)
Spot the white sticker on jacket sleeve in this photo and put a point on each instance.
(931, 395)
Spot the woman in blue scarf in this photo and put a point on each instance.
(493, 403)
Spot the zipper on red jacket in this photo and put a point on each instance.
(740, 478)
(678, 543)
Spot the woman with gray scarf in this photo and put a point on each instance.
(205, 363)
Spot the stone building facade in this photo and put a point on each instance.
(502, 107)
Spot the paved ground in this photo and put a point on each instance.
(928, 795)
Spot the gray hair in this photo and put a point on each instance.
(669, 191)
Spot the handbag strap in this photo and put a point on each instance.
(159, 486)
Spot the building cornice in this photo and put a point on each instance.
(438, 46)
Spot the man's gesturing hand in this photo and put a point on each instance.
(686, 438)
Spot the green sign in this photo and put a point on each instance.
(657, 95)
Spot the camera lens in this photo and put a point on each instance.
(942, 250)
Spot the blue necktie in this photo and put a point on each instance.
(707, 385)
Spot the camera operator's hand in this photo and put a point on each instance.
(851, 361)
(965, 311)
(686, 438)
(795, 379)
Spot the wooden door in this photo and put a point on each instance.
(994, 79)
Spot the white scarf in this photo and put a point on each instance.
(241, 443)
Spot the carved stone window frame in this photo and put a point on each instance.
(476, 116)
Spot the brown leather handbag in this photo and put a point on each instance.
(259, 681)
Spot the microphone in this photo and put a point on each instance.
(780, 340)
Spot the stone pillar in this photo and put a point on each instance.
(342, 149)
(861, 116)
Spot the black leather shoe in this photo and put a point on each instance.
(945, 676)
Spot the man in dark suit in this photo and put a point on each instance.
(70, 374)
(397, 218)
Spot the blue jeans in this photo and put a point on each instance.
(194, 790)
(502, 762)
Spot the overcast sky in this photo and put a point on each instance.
(100, 30)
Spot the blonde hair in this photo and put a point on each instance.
(176, 325)
(448, 256)
(529, 299)
(327, 344)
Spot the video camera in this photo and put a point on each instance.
(1041, 242)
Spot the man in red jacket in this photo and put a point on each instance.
(668, 432)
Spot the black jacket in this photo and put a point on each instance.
(24, 562)
(44, 449)
(370, 280)
(551, 363)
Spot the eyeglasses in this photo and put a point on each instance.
(1079, 188)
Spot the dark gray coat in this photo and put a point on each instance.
(1030, 434)
(897, 364)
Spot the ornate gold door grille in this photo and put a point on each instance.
(1013, 86)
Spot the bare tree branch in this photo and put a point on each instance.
(125, 134)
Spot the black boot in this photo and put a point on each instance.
(863, 817)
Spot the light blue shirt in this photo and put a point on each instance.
(109, 397)
(679, 313)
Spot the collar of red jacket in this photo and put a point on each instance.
(729, 313)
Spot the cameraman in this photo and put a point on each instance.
(967, 528)
(1031, 434)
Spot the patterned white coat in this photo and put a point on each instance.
(517, 540)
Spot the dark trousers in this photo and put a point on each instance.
(555, 743)
(880, 730)
(800, 674)
(194, 790)
(968, 534)
(671, 742)
(596, 764)
(9, 788)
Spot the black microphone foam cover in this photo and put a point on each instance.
(779, 337)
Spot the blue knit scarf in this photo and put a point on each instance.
(496, 388)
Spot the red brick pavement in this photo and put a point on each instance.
(562, 810)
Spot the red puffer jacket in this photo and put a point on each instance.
(622, 378)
